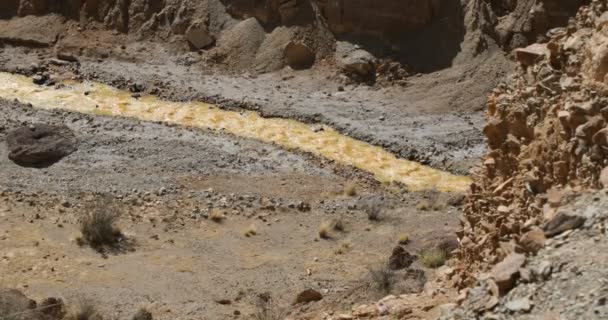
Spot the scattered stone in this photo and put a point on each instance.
(519, 305)
(531, 54)
(533, 240)
(506, 272)
(308, 295)
(562, 222)
(544, 270)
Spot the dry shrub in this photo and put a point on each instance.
(84, 310)
(343, 248)
(350, 189)
(404, 238)
(338, 225)
(373, 208)
(267, 308)
(324, 230)
(217, 215)
(382, 278)
(98, 225)
(433, 258)
(251, 231)
(423, 205)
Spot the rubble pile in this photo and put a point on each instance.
(548, 137)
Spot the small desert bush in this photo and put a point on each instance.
(343, 248)
(404, 238)
(433, 258)
(98, 225)
(217, 215)
(325, 229)
(350, 189)
(373, 208)
(267, 308)
(423, 205)
(84, 310)
(338, 224)
(382, 278)
(251, 231)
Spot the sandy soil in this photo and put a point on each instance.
(165, 180)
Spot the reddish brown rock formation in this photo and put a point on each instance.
(546, 130)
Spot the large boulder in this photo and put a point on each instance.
(299, 55)
(355, 61)
(40, 145)
(308, 295)
(198, 36)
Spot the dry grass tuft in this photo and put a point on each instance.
(423, 205)
(251, 231)
(217, 215)
(404, 238)
(98, 226)
(267, 308)
(433, 258)
(383, 278)
(84, 310)
(324, 230)
(350, 189)
(343, 248)
(373, 208)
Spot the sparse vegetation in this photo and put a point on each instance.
(324, 230)
(350, 189)
(98, 226)
(373, 208)
(343, 248)
(433, 258)
(404, 238)
(217, 215)
(383, 278)
(338, 225)
(251, 231)
(267, 308)
(84, 310)
(423, 205)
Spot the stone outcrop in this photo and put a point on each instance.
(547, 135)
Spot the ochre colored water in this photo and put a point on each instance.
(104, 100)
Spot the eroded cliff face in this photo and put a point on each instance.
(428, 33)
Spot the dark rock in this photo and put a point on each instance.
(40, 79)
(562, 222)
(309, 295)
(506, 272)
(400, 259)
(199, 37)
(223, 301)
(299, 56)
(40, 145)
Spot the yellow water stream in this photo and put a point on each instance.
(101, 99)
